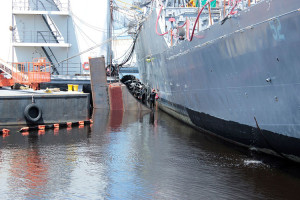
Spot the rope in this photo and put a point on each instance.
(130, 5)
(91, 48)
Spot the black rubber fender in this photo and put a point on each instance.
(33, 112)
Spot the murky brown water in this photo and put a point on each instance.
(135, 156)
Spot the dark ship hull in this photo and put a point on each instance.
(239, 81)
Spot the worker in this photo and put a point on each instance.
(152, 98)
(156, 98)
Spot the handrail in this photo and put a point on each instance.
(4, 66)
(9, 69)
(58, 5)
(189, 38)
(31, 72)
(187, 22)
(232, 12)
(53, 3)
(56, 30)
(52, 65)
(236, 3)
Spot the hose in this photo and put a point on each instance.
(190, 39)
(160, 34)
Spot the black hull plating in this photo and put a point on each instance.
(251, 137)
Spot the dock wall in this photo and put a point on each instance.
(55, 108)
(114, 96)
(121, 99)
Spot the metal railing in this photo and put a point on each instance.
(71, 68)
(37, 37)
(53, 28)
(48, 36)
(41, 5)
(26, 73)
(65, 68)
(178, 22)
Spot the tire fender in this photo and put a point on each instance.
(33, 112)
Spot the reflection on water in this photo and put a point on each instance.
(137, 156)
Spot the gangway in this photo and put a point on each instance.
(26, 73)
(5, 68)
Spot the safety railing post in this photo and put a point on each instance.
(171, 37)
(224, 8)
(209, 13)
(198, 23)
(186, 26)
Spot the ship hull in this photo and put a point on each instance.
(239, 81)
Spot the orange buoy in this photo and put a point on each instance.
(81, 122)
(41, 127)
(69, 124)
(56, 125)
(5, 135)
(25, 133)
(56, 131)
(41, 132)
(24, 129)
(5, 131)
(86, 66)
(81, 126)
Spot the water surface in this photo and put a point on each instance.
(138, 156)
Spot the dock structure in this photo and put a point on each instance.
(113, 96)
(19, 107)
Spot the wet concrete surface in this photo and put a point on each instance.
(138, 156)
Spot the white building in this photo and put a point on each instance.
(55, 29)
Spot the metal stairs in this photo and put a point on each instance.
(6, 68)
(9, 70)
(53, 29)
(49, 54)
(54, 32)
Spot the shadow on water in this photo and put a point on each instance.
(136, 155)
